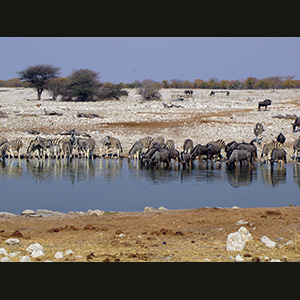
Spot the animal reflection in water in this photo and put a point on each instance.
(78, 170)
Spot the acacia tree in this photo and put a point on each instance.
(39, 76)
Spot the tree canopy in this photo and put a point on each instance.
(39, 76)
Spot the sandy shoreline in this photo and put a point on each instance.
(165, 235)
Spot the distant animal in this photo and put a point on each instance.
(258, 129)
(188, 146)
(14, 145)
(249, 147)
(135, 151)
(264, 103)
(278, 155)
(161, 156)
(296, 124)
(199, 150)
(267, 150)
(296, 148)
(111, 145)
(186, 158)
(214, 148)
(160, 140)
(189, 92)
(170, 144)
(280, 138)
(239, 156)
(212, 93)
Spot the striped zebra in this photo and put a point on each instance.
(188, 146)
(266, 153)
(35, 145)
(110, 145)
(14, 145)
(84, 147)
(170, 145)
(296, 148)
(3, 148)
(158, 141)
(3, 140)
(258, 129)
(136, 150)
(214, 148)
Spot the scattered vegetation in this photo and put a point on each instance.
(84, 84)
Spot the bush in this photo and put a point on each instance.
(150, 90)
(111, 91)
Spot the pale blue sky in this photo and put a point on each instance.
(125, 59)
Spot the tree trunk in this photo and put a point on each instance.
(39, 91)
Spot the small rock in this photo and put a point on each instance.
(241, 222)
(4, 214)
(239, 258)
(25, 259)
(59, 255)
(28, 212)
(35, 250)
(47, 213)
(275, 260)
(14, 254)
(246, 235)
(5, 259)
(97, 212)
(267, 242)
(149, 208)
(121, 235)
(3, 251)
(69, 252)
(12, 241)
(235, 242)
(235, 207)
(162, 208)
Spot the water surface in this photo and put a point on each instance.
(122, 185)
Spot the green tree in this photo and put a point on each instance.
(111, 91)
(83, 85)
(57, 86)
(39, 76)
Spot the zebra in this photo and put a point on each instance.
(146, 141)
(258, 129)
(214, 148)
(16, 145)
(296, 148)
(136, 150)
(3, 140)
(110, 145)
(159, 140)
(3, 148)
(170, 145)
(33, 146)
(188, 146)
(266, 153)
(65, 148)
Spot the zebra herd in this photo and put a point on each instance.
(152, 151)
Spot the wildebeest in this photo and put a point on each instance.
(239, 156)
(278, 154)
(189, 92)
(249, 147)
(198, 151)
(264, 103)
(160, 156)
(280, 138)
(296, 124)
(296, 148)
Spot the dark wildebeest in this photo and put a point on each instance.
(296, 124)
(160, 156)
(264, 103)
(239, 156)
(198, 151)
(189, 92)
(212, 93)
(280, 138)
(278, 154)
(174, 154)
(249, 147)
(230, 147)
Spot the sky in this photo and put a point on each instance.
(126, 59)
